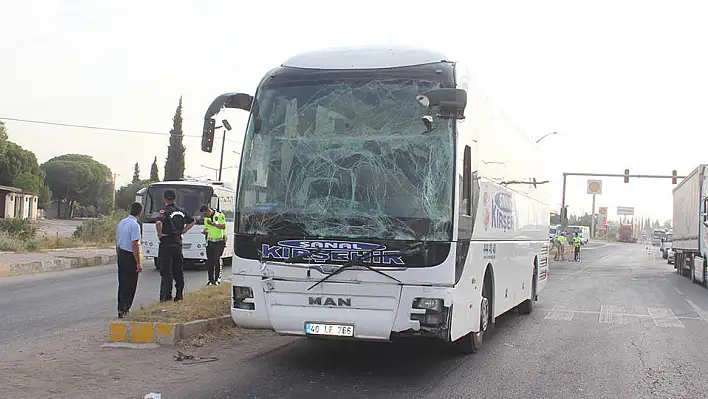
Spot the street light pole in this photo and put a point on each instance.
(221, 160)
(543, 137)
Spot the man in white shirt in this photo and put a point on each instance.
(128, 251)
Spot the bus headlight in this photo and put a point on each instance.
(243, 298)
(434, 304)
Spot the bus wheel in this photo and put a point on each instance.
(472, 342)
(227, 261)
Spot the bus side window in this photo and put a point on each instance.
(466, 205)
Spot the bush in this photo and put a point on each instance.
(18, 228)
(100, 230)
(10, 243)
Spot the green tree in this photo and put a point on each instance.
(136, 173)
(125, 195)
(45, 196)
(174, 165)
(3, 133)
(154, 173)
(18, 166)
(76, 178)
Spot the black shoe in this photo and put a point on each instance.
(179, 297)
(210, 283)
(166, 299)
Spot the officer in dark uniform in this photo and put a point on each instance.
(171, 224)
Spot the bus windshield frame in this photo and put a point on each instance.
(189, 197)
(346, 154)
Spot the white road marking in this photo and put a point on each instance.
(595, 312)
(678, 291)
(664, 318)
(559, 312)
(611, 314)
(703, 315)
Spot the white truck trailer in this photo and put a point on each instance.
(690, 238)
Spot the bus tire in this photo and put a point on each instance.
(473, 341)
(227, 262)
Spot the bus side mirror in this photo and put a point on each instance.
(214, 204)
(451, 102)
(228, 100)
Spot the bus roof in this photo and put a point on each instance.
(203, 183)
(365, 57)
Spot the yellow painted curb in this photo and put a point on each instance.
(142, 332)
(161, 333)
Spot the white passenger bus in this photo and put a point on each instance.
(381, 196)
(191, 195)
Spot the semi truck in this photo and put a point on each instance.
(690, 238)
(625, 232)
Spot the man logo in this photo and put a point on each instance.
(330, 301)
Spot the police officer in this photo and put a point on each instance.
(214, 230)
(171, 224)
(576, 242)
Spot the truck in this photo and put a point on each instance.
(191, 195)
(690, 236)
(657, 236)
(369, 208)
(625, 232)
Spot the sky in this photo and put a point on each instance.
(624, 83)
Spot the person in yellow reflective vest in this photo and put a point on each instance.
(561, 240)
(576, 244)
(215, 232)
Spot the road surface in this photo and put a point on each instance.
(43, 305)
(616, 325)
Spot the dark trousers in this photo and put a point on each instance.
(214, 251)
(171, 267)
(577, 253)
(127, 279)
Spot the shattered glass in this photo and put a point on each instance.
(347, 159)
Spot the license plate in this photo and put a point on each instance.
(336, 330)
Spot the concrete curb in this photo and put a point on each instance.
(51, 265)
(162, 333)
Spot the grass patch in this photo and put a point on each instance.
(204, 303)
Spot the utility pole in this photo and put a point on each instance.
(113, 206)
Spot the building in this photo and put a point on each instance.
(14, 204)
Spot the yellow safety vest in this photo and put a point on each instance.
(215, 233)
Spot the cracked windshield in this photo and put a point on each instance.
(198, 204)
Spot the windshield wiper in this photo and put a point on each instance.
(353, 262)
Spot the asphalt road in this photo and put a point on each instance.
(35, 307)
(618, 324)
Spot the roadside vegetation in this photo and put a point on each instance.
(204, 303)
(17, 235)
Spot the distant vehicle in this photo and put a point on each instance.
(666, 244)
(656, 236)
(351, 220)
(625, 233)
(670, 255)
(690, 237)
(191, 195)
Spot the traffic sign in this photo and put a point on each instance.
(594, 186)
